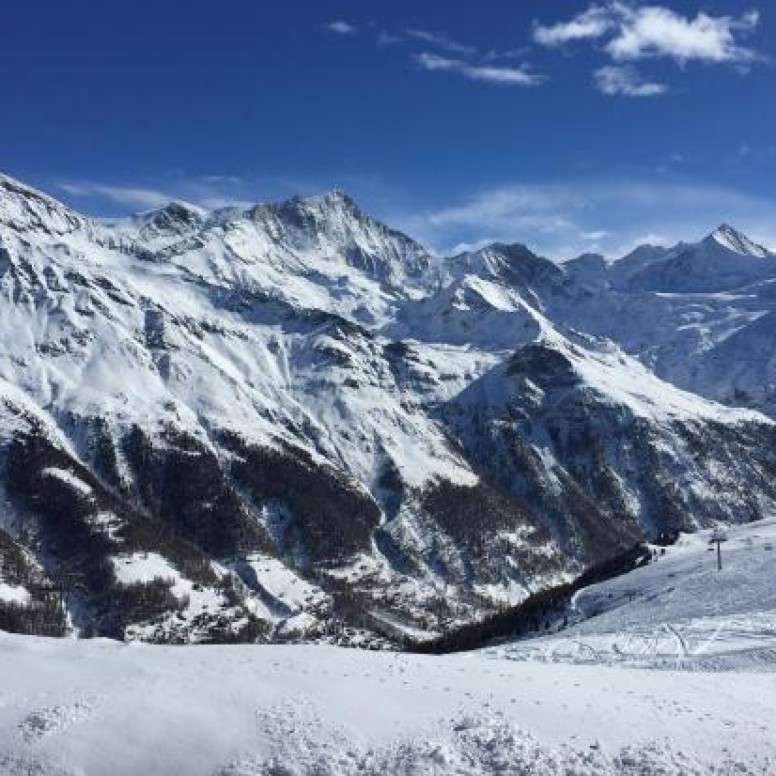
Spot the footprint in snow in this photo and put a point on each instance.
(53, 719)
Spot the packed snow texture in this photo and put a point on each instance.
(72, 707)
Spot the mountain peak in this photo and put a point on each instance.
(731, 238)
(334, 199)
(176, 210)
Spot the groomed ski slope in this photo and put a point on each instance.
(679, 612)
(694, 693)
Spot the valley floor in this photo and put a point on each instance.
(670, 670)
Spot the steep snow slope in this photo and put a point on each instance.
(739, 243)
(739, 369)
(610, 451)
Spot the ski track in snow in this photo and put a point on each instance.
(677, 613)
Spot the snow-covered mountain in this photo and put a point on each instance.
(723, 261)
(293, 421)
(697, 314)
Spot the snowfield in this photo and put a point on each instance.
(679, 612)
(86, 708)
(668, 670)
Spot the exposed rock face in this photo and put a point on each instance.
(295, 422)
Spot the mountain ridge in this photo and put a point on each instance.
(205, 413)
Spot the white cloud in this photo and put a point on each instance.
(442, 42)
(341, 27)
(509, 76)
(435, 62)
(624, 80)
(593, 23)
(653, 31)
(468, 247)
(505, 76)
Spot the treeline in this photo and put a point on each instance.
(45, 617)
(534, 613)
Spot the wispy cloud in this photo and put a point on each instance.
(341, 27)
(624, 31)
(447, 55)
(625, 80)
(565, 219)
(442, 41)
(230, 179)
(653, 31)
(122, 195)
(504, 76)
(388, 38)
(208, 191)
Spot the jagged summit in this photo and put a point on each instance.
(587, 258)
(335, 197)
(333, 201)
(511, 263)
(174, 216)
(736, 241)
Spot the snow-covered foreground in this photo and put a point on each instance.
(93, 708)
(610, 695)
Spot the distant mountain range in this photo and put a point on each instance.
(295, 422)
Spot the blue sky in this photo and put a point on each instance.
(570, 126)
